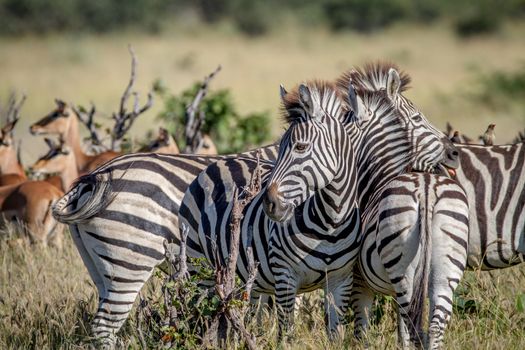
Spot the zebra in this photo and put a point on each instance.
(309, 250)
(387, 142)
(417, 249)
(120, 215)
(493, 178)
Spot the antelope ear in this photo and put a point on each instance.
(305, 99)
(393, 84)
(282, 92)
(8, 128)
(50, 143)
(60, 104)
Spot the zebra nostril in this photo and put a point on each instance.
(455, 153)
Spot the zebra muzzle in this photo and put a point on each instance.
(273, 205)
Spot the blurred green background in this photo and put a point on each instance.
(467, 58)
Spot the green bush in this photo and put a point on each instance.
(230, 131)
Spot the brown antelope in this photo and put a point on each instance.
(30, 204)
(164, 143)
(59, 159)
(63, 121)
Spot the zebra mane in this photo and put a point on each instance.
(372, 77)
(321, 90)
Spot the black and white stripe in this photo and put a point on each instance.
(120, 216)
(389, 136)
(418, 249)
(315, 175)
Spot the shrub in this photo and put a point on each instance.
(230, 131)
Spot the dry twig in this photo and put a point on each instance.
(124, 119)
(194, 123)
(86, 117)
(225, 275)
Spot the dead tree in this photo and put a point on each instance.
(95, 141)
(229, 315)
(195, 117)
(124, 119)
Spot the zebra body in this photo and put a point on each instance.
(417, 249)
(310, 250)
(120, 216)
(494, 180)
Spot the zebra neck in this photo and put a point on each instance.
(379, 160)
(333, 206)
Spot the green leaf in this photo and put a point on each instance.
(520, 302)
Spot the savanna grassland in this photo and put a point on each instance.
(46, 296)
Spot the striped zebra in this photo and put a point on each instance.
(119, 217)
(309, 250)
(389, 134)
(493, 178)
(418, 249)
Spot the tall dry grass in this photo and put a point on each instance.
(47, 301)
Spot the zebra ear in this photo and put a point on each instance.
(393, 84)
(305, 99)
(361, 114)
(282, 92)
(352, 99)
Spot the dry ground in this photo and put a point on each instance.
(83, 68)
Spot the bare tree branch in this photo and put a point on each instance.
(95, 140)
(194, 123)
(124, 119)
(225, 275)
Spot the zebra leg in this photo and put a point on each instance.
(403, 333)
(362, 298)
(285, 294)
(449, 259)
(446, 275)
(118, 281)
(337, 300)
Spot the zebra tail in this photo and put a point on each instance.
(421, 275)
(89, 195)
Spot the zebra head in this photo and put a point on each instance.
(428, 149)
(312, 151)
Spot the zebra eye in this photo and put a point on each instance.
(417, 118)
(300, 147)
